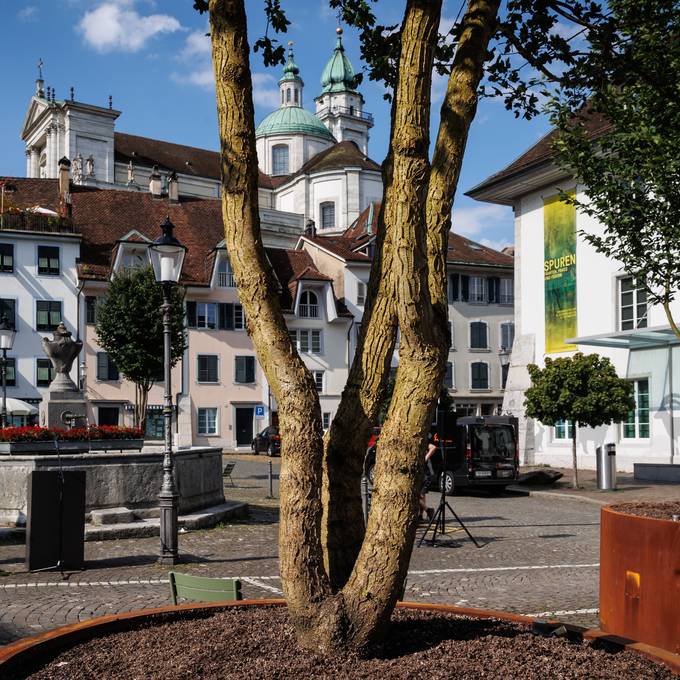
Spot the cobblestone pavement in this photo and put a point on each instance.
(539, 555)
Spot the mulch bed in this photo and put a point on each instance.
(655, 510)
(259, 643)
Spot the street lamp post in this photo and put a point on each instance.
(7, 333)
(167, 256)
(504, 357)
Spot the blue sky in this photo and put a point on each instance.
(152, 56)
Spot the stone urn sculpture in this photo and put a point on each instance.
(62, 351)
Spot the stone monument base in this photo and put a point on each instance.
(61, 402)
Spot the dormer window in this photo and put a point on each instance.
(309, 305)
(280, 159)
(133, 258)
(327, 210)
(225, 275)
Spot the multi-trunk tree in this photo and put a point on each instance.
(342, 580)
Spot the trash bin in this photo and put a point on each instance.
(606, 467)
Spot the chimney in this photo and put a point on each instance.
(173, 188)
(64, 187)
(310, 228)
(155, 182)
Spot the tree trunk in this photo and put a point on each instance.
(304, 578)
(573, 454)
(141, 403)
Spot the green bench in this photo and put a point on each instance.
(203, 588)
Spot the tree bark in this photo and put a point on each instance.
(305, 583)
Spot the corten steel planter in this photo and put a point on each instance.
(47, 645)
(640, 579)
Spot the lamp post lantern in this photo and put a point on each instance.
(7, 333)
(167, 256)
(504, 357)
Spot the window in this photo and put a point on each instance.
(106, 369)
(507, 295)
(44, 372)
(230, 316)
(10, 374)
(280, 159)
(327, 210)
(454, 287)
(326, 420)
(225, 276)
(207, 421)
(452, 343)
(48, 315)
(318, 380)
(448, 377)
(6, 258)
(309, 305)
(478, 335)
(307, 340)
(564, 430)
(108, 415)
(239, 318)
(507, 334)
(505, 369)
(295, 92)
(48, 260)
(287, 94)
(479, 375)
(632, 304)
(8, 309)
(477, 289)
(90, 309)
(244, 370)
(636, 425)
(361, 293)
(201, 315)
(208, 371)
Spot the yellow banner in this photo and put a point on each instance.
(559, 274)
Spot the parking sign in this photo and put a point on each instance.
(259, 411)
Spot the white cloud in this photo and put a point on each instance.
(28, 13)
(117, 26)
(496, 244)
(197, 44)
(480, 219)
(265, 90)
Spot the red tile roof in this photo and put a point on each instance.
(341, 246)
(461, 250)
(188, 160)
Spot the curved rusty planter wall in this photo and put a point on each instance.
(50, 643)
(640, 579)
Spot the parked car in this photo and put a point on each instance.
(268, 441)
(479, 453)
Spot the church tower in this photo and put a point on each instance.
(340, 105)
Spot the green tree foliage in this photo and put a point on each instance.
(632, 172)
(130, 330)
(583, 389)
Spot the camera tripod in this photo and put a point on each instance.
(437, 522)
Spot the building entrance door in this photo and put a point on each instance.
(244, 426)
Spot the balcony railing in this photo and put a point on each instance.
(347, 111)
(308, 311)
(46, 224)
(226, 280)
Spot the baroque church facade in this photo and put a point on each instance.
(311, 164)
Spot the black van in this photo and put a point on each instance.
(481, 452)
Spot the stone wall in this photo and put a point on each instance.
(129, 479)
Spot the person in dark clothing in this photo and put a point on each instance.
(432, 442)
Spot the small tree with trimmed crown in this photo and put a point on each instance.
(130, 330)
(583, 389)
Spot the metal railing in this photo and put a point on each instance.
(348, 111)
(308, 311)
(226, 280)
(46, 224)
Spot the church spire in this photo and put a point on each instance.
(291, 84)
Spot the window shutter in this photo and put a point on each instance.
(225, 316)
(465, 287)
(112, 369)
(240, 369)
(191, 314)
(102, 366)
(250, 369)
(494, 289)
(455, 286)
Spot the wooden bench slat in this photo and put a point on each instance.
(203, 588)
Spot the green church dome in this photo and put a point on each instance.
(338, 76)
(291, 120)
(290, 70)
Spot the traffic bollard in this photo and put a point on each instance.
(270, 475)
